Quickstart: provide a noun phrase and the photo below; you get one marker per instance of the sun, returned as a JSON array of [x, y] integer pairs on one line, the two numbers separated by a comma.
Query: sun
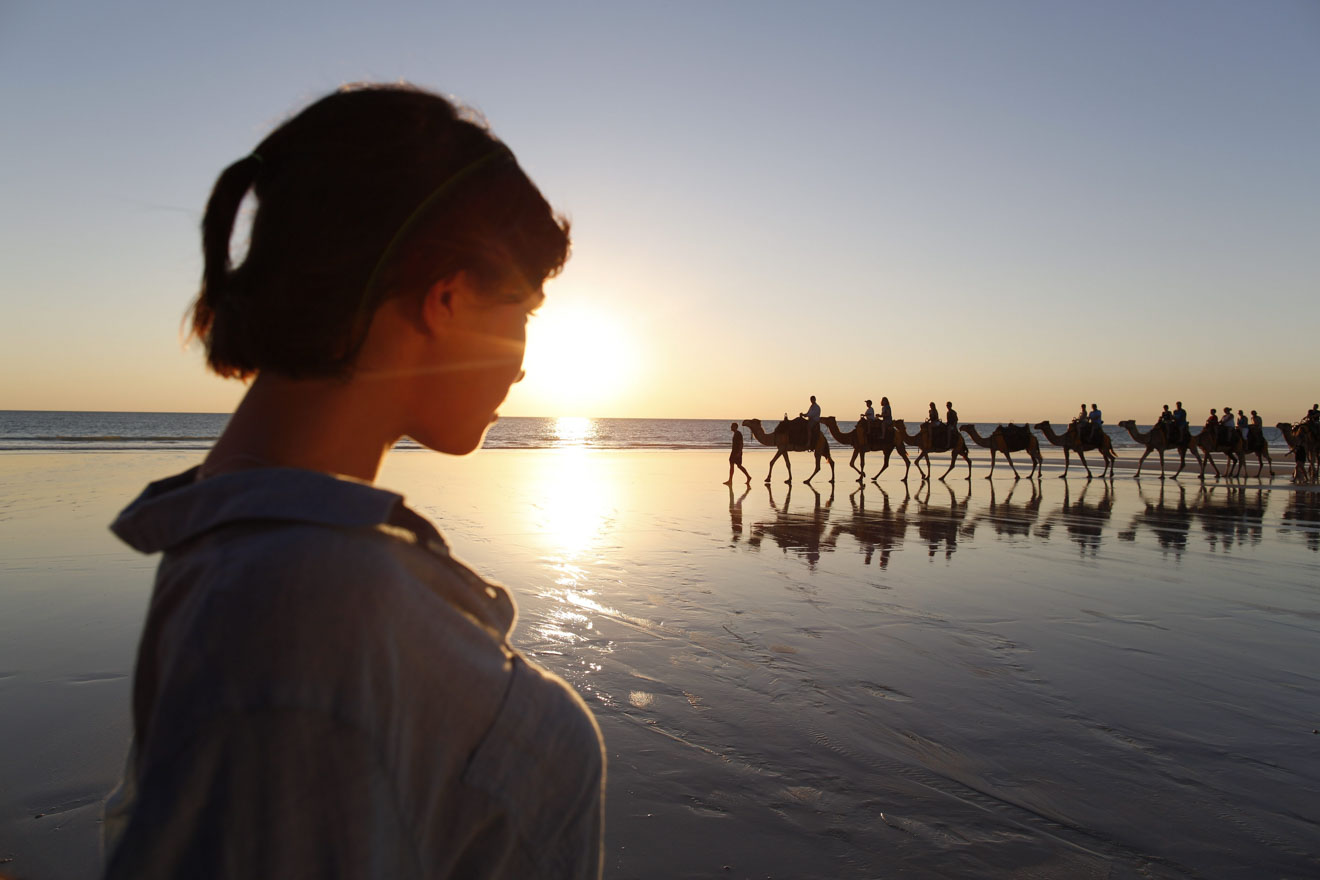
[[581, 360]]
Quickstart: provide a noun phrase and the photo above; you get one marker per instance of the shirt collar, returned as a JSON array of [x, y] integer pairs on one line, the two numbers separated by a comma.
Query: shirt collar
[[179, 508]]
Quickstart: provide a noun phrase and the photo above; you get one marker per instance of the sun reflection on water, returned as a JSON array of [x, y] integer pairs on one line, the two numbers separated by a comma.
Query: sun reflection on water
[[574, 430]]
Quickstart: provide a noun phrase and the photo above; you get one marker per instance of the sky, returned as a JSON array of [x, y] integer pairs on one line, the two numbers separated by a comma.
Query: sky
[[1017, 206]]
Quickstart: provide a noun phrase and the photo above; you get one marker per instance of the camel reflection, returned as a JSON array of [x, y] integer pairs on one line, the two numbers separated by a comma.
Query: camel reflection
[[1168, 518], [803, 533], [1011, 520], [1084, 520], [1231, 516], [941, 527], [875, 528], [1302, 516]]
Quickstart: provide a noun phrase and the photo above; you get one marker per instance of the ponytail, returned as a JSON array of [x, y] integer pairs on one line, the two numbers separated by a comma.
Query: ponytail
[[217, 231]]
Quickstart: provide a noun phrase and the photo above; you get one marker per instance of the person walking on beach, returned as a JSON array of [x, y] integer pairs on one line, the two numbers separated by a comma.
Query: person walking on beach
[[321, 688], [735, 455]]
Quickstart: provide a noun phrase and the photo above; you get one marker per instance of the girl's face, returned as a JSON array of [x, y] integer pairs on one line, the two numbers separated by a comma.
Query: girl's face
[[477, 356]]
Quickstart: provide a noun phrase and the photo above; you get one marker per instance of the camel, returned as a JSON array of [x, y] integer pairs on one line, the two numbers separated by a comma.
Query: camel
[[1011, 440], [863, 442], [1159, 440], [784, 444], [1292, 434], [952, 443], [1071, 443], [1235, 451], [1258, 446]]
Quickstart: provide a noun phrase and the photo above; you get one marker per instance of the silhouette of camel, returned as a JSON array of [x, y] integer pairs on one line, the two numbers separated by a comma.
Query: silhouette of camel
[[784, 444], [1071, 442], [1159, 440], [1259, 447], [1011, 440], [1294, 434], [1235, 451], [928, 441], [863, 441]]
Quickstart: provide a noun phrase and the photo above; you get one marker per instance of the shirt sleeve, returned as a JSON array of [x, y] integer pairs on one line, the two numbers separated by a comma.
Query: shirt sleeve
[[289, 794]]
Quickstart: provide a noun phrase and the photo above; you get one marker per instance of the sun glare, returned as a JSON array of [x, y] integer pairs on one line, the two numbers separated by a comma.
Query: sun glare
[[580, 361]]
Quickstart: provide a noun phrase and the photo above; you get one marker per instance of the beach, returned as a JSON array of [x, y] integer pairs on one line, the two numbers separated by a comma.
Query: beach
[[984, 678]]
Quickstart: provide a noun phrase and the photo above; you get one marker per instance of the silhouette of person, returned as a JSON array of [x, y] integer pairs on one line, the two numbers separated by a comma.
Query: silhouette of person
[[735, 455], [952, 418], [869, 415], [1180, 421], [1243, 423], [395, 720], [886, 417], [934, 417], [813, 421], [1097, 421]]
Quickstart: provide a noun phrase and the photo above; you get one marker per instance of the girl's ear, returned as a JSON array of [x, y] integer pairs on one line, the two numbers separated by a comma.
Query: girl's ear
[[439, 303]]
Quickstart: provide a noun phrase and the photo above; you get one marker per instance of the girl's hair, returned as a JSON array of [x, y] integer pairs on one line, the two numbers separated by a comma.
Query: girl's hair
[[371, 192]]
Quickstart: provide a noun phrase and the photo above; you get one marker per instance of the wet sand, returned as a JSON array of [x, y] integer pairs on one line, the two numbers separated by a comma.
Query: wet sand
[[1058, 678]]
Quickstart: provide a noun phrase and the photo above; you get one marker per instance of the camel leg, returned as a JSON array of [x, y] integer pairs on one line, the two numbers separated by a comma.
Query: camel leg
[[953, 459], [993, 452], [967, 458], [1082, 458], [1009, 459], [830, 459], [884, 467], [1142, 461], [907, 463], [770, 473], [816, 471], [1066, 462]]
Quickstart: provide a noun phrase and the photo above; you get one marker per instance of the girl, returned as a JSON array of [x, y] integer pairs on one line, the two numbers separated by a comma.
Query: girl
[[321, 688]]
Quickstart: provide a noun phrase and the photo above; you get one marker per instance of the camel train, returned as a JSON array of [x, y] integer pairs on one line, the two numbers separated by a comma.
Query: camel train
[[798, 435]]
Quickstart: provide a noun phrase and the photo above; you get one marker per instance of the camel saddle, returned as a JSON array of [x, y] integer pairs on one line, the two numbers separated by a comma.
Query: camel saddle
[[797, 431], [875, 432], [1015, 434]]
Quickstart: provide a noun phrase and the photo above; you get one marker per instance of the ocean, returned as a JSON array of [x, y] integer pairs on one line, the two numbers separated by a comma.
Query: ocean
[[58, 431]]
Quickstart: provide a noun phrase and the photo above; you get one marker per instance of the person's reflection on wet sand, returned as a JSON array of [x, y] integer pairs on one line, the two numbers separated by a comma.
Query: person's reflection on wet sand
[[735, 513], [1084, 521], [1302, 516], [874, 529], [800, 532], [1169, 519], [1011, 520], [940, 527]]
